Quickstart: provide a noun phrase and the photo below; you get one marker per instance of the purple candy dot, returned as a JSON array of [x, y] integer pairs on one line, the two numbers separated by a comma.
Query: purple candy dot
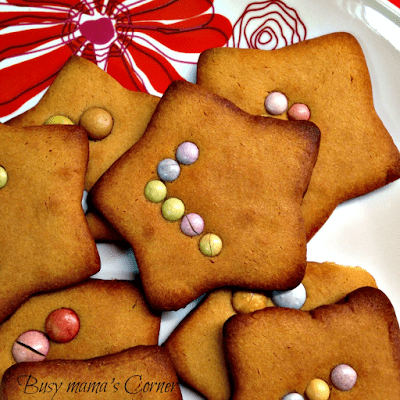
[[187, 153], [343, 377], [31, 346], [192, 224]]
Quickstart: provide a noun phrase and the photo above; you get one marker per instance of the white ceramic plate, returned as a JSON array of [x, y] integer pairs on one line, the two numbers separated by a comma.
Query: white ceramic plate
[[364, 231]]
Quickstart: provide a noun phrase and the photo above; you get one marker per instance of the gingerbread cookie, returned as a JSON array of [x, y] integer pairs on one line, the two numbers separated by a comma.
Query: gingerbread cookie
[[114, 117], [45, 241], [350, 349], [88, 320], [215, 202], [144, 372], [196, 345], [325, 80]]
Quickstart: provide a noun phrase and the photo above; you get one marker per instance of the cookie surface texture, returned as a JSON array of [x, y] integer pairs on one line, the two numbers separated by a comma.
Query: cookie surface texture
[[330, 76], [247, 185], [361, 331], [144, 372], [196, 345], [46, 243], [113, 317]]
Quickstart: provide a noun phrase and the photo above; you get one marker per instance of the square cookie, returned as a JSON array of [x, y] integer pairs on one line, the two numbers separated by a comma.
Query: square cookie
[[330, 76], [278, 351], [143, 372], [92, 319], [86, 95], [46, 243], [246, 186], [196, 345]]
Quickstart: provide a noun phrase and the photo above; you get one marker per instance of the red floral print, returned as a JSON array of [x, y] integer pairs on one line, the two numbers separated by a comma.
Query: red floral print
[[139, 42]]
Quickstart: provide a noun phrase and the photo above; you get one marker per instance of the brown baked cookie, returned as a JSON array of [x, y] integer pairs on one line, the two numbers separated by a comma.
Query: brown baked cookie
[[87, 95], [88, 320], [100, 229], [246, 186], [144, 372], [346, 350], [196, 345], [330, 76], [45, 240]]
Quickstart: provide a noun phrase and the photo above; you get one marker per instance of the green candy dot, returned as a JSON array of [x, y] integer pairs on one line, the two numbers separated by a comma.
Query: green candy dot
[[58, 120], [210, 245], [3, 177], [173, 209], [155, 191]]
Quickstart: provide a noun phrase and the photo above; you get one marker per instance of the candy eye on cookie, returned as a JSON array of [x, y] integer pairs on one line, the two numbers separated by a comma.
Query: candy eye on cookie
[[276, 103], [3, 177], [61, 325], [97, 122]]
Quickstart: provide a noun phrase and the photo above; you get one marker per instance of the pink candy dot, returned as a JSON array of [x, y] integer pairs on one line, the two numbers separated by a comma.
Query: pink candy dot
[[31, 346], [62, 325], [343, 377], [299, 111], [192, 224], [276, 103]]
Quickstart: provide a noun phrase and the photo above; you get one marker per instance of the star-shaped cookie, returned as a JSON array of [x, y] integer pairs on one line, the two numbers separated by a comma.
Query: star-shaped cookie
[[246, 185], [196, 346], [45, 240], [79, 87], [277, 351], [329, 75]]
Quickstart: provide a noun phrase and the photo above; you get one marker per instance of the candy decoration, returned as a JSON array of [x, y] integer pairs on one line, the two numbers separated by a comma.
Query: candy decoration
[[3, 177], [173, 209], [276, 103], [192, 224], [168, 170], [97, 122], [293, 396], [343, 377], [210, 245], [155, 191], [62, 325], [187, 153], [246, 302], [299, 111], [317, 389], [294, 298], [85, 206], [58, 120], [31, 346]]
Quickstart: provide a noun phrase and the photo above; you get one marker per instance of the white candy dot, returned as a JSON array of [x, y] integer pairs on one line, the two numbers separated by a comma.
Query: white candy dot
[[276, 103], [293, 396], [85, 206], [294, 298]]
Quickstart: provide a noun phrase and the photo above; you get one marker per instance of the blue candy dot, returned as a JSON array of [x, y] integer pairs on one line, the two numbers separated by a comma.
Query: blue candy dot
[[168, 170], [294, 298]]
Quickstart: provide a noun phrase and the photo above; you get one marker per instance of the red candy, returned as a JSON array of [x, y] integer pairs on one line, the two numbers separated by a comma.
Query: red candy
[[62, 325], [299, 111]]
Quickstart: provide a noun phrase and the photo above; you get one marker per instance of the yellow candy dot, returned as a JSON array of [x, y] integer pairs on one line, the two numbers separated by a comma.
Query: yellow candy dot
[[155, 191], [58, 120], [3, 177], [246, 302], [210, 245], [173, 209], [317, 389]]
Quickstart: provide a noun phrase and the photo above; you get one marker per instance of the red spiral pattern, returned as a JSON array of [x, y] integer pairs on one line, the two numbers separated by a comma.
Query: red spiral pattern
[[268, 25]]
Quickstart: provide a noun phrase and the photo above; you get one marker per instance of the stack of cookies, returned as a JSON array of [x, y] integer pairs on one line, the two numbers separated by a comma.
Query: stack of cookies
[[217, 187]]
